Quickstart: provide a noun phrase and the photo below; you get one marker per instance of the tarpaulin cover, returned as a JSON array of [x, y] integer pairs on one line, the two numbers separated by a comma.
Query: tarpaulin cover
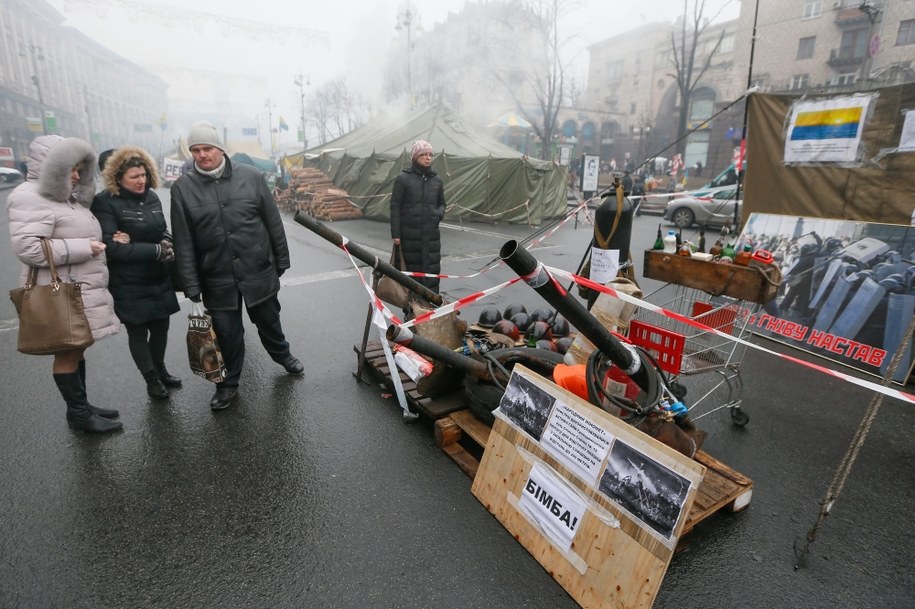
[[879, 190], [484, 179]]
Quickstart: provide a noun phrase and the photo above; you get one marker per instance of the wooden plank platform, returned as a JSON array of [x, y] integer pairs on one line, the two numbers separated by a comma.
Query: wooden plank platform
[[435, 408], [463, 437], [721, 488]]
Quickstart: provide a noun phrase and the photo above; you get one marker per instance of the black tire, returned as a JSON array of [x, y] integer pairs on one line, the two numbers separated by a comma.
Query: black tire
[[483, 397], [683, 217]]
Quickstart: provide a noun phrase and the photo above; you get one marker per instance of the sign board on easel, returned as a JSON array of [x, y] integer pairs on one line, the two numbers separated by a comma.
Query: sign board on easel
[[598, 503]]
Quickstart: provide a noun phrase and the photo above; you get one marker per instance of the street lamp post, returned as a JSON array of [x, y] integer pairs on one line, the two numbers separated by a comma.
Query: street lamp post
[[405, 20], [269, 105], [37, 55], [302, 82]]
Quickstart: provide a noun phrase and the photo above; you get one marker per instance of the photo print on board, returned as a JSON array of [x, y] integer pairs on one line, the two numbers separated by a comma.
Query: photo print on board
[[526, 405]]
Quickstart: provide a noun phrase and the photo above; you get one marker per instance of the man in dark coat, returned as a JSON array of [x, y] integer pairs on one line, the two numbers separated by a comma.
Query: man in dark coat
[[417, 207], [230, 246]]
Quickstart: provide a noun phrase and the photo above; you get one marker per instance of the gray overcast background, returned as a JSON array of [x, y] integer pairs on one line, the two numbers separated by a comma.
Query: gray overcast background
[[346, 38]]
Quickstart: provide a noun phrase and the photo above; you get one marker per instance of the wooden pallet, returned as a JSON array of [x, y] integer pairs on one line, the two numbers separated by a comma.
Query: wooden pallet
[[434, 408], [721, 488], [463, 437]]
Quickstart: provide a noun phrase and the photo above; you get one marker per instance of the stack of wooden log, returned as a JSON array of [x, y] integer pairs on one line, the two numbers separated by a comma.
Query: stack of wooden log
[[311, 191]]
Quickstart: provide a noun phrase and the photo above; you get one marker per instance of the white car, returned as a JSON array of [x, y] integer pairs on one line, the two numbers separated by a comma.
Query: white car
[[710, 210], [10, 176]]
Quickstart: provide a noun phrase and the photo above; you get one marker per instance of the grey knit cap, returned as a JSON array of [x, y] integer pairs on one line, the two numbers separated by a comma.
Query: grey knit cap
[[204, 133]]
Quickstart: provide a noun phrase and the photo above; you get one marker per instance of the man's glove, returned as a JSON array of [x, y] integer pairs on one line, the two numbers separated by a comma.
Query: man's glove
[[279, 272], [194, 298], [166, 252]]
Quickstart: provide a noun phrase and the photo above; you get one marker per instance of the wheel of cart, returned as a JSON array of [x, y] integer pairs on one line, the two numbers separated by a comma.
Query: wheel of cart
[[684, 350]]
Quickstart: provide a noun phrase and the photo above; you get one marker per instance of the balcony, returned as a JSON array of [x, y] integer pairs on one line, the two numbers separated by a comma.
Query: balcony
[[850, 17], [844, 58]]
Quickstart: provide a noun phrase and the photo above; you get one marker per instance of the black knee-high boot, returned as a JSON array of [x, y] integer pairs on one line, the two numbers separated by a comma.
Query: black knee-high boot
[[78, 414], [105, 413]]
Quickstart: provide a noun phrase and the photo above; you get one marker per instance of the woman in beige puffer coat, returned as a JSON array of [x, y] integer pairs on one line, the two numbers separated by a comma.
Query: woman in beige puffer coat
[[54, 203]]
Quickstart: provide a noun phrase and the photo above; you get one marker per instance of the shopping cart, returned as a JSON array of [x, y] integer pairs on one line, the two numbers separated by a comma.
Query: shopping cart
[[683, 350]]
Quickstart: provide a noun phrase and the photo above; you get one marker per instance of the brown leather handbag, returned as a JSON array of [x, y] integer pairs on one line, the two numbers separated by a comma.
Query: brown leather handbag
[[51, 317], [389, 290]]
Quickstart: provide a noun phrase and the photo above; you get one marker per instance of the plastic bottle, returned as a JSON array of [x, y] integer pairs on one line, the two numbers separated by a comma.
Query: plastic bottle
[[743, 256], [659, 242], [670, 243], [684, 249], [728, 251]]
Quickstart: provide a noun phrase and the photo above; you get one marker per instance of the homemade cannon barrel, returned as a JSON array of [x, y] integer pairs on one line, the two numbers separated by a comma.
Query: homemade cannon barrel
[[403, 336], [369, 258], [535, 275]]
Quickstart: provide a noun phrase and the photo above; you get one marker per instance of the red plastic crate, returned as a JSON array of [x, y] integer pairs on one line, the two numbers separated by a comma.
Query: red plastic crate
[[664, 345]]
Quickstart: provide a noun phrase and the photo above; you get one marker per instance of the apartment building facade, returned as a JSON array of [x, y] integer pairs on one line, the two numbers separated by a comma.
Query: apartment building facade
[[54, 79]]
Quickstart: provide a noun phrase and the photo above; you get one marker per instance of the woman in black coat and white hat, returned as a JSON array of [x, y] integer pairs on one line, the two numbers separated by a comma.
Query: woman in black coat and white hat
[[139, 249], [417, 207]]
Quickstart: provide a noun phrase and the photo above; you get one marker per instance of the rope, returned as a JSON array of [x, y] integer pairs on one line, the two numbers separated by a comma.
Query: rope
[[848, 460]]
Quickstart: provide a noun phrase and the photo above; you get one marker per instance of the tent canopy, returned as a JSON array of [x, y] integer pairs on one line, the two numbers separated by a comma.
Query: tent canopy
[[510, 120], [484, 179], [263, 165]]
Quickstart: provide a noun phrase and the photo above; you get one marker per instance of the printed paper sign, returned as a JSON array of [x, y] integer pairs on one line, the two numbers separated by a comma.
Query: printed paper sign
[[826, 131], [605, 264], [907, 137], [577, 442], [553, 505]]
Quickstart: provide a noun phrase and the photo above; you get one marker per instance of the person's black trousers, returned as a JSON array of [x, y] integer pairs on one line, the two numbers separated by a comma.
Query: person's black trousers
[[230, 333]]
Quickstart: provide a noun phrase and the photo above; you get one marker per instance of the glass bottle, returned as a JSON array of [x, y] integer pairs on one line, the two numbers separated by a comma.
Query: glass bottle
[[743, 256], [701, 241], [716, 249], [728, 251], [659, 242]]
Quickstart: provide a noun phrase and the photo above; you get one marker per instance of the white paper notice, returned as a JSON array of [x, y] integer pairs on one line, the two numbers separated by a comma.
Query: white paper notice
[[605, 264], [553, 505], [577, 442], [907, 137]]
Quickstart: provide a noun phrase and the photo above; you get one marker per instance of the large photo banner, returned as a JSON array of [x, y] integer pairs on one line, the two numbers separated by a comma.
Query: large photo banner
[[847, 288]]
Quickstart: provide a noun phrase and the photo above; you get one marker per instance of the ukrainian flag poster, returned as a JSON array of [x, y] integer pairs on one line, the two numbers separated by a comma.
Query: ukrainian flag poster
[[827, 131]]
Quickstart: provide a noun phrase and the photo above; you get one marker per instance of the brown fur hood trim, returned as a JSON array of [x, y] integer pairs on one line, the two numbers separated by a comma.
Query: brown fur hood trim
[[121, 156]]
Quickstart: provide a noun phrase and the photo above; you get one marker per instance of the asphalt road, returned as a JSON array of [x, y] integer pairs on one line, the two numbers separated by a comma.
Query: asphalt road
[[313, 493]]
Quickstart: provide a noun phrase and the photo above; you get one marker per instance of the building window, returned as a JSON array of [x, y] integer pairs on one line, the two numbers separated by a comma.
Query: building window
[[845, 78], [632, 108], [812, 8], [805, 47], [615, 71], [906, 33], [727, 44], [799, 81], [854, 44]]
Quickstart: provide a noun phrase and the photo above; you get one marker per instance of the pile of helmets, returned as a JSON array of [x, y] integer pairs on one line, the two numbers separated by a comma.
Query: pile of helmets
[[543, 329]]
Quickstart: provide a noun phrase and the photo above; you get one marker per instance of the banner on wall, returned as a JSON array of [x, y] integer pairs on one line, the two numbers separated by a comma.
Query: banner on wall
[[847, 288]]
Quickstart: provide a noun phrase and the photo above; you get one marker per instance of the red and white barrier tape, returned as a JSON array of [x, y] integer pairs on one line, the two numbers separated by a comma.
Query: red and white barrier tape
[[895, 393], [459, 304]]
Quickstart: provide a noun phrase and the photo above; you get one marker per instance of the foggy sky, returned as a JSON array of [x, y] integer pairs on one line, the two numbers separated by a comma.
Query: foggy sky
[[351, 37]]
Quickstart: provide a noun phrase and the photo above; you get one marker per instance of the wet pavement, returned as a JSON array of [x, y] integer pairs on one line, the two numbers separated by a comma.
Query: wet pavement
[[312, 492]]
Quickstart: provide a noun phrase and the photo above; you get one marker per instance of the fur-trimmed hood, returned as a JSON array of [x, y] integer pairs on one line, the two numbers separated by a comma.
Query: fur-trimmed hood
[[51, 158], [116, 161]]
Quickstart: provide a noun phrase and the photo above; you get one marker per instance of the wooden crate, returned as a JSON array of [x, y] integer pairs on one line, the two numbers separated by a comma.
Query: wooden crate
[[462, 436], [753, 284]]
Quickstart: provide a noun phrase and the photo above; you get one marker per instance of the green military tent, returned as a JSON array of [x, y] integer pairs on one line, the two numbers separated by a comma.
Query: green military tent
[[484, 179]]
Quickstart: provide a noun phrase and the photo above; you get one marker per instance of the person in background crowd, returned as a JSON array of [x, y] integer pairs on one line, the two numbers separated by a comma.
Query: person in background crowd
[[54, 203], [417, 208], [139, 251], [230, 249], [698, 169]]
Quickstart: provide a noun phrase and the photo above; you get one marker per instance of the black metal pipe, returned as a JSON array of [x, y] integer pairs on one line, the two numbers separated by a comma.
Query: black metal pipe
[[536, 276], [368, 257], [404, 336]]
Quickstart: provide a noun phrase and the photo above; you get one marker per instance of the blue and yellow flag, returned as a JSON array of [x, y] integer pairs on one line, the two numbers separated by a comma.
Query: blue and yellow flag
[[838, 123], [283, 125]]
